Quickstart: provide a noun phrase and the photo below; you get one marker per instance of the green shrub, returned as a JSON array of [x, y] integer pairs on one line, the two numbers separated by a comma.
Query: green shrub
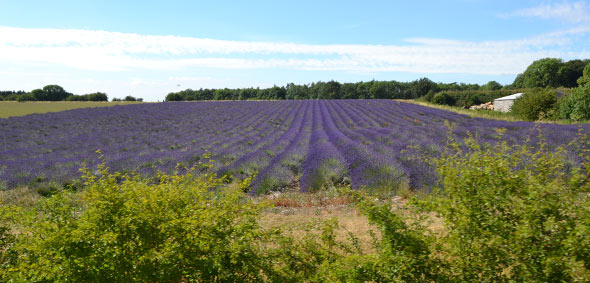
[[25, 97], [576, 106], [536, 104], [443, 98], [124, 229], [513, 213], [405, 251]]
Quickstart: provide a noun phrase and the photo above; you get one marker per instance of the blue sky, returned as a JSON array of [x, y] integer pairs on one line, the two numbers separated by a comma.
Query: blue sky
[[150, 48]]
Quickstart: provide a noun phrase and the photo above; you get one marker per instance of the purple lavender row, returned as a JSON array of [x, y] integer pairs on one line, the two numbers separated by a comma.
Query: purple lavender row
[[149, 137], [251, 160], [323, 163], [53, 146], [389, 142], [283, 169], [368, 168], [248, 138]]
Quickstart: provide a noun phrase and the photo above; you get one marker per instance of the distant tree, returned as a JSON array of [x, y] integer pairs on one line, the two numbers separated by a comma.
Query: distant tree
[[348, 91], [331, 90], [363, 89], [570, 72], [379, 90], [492, 85], [584, 80], [277, 92], [518, 82], [541, 73], [39, 95], [247, 93], [25, 97], [174, 96], [294, 91], [97, 96], [131, 98], [55, 93], [223, 94], [576, 106], [316, 90], [422, 86]]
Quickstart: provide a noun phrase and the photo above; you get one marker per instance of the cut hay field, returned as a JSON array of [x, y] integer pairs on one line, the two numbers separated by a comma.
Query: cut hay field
[[13, 108], [306, 145]]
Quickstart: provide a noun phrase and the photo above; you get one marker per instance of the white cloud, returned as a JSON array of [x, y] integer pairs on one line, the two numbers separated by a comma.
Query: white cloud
[[115, 52], [570, 12]]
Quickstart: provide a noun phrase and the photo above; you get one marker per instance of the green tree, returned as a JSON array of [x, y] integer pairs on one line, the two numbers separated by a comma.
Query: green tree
[[584, 80], [174, 96], [277, 92], [542, 73], [55, 93], [348, 91], [294, 91], [422, 86], [223, 94], [492, 85], [363, 89], [97, 96], [131, 98], [25, 97], [39, 94], [378, 90], [576, 106], [570, 72], [331, 90], [518, 82]]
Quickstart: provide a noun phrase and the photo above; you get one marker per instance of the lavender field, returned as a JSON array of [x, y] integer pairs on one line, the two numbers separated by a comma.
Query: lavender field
[[287, 144]]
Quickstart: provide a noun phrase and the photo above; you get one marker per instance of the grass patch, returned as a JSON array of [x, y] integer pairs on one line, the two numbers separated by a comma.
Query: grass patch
[[12, 109]]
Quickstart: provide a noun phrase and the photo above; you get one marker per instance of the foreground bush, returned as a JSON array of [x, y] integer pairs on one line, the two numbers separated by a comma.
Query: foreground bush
[[124, 229], [513, 213]]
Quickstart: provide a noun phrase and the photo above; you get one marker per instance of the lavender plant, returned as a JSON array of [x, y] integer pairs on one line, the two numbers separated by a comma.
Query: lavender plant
[[304, 144]]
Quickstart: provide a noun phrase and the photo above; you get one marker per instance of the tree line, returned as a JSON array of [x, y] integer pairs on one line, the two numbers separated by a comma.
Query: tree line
[[51, 93], [57, 93], [547, 72], [551, 72], [329, 90]]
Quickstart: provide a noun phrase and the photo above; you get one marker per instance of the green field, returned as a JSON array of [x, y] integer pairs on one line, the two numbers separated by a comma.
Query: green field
[[11, 108]]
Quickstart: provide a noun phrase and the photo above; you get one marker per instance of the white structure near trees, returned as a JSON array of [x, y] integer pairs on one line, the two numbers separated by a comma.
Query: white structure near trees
[[504, 104]]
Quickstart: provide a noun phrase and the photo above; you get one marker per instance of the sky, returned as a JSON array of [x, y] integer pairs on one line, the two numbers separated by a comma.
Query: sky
[[151, 48]]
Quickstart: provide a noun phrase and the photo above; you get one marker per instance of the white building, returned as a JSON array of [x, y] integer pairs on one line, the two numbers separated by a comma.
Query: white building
[[505, 103]]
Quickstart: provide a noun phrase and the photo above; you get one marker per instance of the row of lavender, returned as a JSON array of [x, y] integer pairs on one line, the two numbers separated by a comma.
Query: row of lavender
[[305, 144]]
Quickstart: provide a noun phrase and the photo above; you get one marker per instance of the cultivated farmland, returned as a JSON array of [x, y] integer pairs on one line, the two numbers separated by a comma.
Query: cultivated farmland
[[284, 144]]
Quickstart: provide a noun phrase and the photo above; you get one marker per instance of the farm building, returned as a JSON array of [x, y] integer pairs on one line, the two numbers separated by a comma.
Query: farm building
[[505, 103]]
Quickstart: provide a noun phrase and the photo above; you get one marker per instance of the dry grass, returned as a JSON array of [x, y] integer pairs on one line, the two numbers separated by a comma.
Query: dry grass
[[12, 108], [298, 219], [487, 114], [295, 212], [22, 196]]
